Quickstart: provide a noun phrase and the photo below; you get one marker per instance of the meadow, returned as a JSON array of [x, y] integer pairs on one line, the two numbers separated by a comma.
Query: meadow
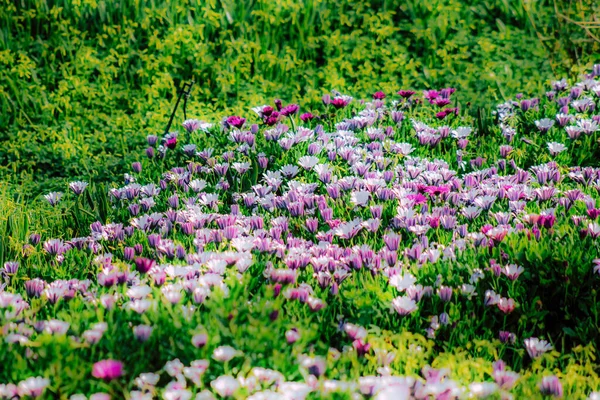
[[366, 200]]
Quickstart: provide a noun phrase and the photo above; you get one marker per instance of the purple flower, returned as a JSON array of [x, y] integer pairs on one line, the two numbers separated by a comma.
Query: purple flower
[[406, 93], [107, 370], [379, 95], [191, 125], [53, 198], [152, 139], [143, 264], [551, 386], [199, 340], [35, 287], [78, 187], [11, 267], [142, 332]]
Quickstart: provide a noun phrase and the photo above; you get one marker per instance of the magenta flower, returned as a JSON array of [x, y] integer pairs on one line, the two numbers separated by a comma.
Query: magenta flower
[[341, 101], [379, 95], [290, 109], [235, 121], [307, 117], [171, 142], [107, 369]]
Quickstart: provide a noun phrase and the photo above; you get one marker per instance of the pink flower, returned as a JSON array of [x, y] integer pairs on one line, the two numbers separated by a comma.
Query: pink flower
[[107, 369]]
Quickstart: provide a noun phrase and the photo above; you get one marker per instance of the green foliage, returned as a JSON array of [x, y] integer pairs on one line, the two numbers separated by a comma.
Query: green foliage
[[83, 82]]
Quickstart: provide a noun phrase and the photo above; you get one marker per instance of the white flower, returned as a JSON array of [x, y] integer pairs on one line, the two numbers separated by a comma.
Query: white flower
[[225, 385], [462, 132], [33, 387], [404, 305], [556, 148], [360, 198], [482, 390], [544, 124], [225, 353], [536, 347], [308, 162], [402, 282]]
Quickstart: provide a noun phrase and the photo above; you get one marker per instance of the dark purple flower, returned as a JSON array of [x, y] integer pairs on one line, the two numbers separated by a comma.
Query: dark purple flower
[[406, 93], [143, 264], [152, 139], [379, 95], [34, 239]]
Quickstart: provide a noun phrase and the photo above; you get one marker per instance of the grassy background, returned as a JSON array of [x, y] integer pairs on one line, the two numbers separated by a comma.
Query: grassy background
[[82, 82]]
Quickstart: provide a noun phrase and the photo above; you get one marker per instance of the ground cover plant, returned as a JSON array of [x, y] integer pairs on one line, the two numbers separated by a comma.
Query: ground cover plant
[[83, 82], [392, 247]]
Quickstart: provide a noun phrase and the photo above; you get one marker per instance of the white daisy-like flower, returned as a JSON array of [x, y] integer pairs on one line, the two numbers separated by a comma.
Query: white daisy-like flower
[[556, 148]]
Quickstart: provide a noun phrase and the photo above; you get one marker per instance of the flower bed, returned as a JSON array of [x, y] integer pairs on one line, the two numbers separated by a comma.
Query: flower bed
[[390, 248]]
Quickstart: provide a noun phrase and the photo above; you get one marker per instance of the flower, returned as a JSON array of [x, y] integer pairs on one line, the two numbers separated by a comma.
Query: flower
[[142, 332], [556, 148], [404, 305], [11, 267], [314, 365], [143, 264], [53, 198], [107, 369], [289, 110], [340, 101], [78, 187], [225, 353], [225, 385], [199, 340], [551, 386], [406, 93], [235, 121], [33, 387], [536, 347], [544, 124]]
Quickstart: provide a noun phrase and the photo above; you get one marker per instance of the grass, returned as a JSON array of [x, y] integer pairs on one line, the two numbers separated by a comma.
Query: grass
[[84, 82]]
